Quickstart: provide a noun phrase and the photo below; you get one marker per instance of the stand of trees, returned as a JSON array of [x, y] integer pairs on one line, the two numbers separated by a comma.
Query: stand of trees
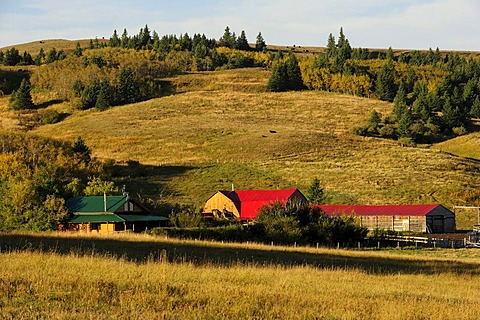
[[37, 175]]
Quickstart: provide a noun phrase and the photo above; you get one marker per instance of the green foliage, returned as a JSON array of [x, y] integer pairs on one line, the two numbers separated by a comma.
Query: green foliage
[[386, 88], [22, 98], [185, 216], [260, 43], [286, 74], [82, 150], [12, 57], [97, 187], [307, 224], [35, 174], [315, 192]]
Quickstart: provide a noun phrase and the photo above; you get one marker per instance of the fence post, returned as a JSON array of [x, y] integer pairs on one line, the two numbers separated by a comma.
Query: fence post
[[378, 245], [338, 245], [317, 245]]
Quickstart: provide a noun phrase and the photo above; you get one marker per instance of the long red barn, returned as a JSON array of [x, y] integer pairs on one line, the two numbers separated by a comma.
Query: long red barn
[[433, 218]]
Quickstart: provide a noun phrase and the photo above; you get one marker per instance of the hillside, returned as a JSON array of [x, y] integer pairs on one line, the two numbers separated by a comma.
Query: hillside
[[223, 127]]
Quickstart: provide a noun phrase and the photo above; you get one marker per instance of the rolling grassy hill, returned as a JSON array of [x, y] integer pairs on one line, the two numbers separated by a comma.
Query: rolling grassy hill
[[223, 127]]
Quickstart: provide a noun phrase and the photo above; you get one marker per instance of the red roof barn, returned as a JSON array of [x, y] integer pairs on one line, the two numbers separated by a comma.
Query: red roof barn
[[432, 218], [246, 204]]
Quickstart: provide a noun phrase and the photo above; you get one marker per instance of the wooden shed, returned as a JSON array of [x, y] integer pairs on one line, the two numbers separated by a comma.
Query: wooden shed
[[246, 204], [103, 214], [427, 218]]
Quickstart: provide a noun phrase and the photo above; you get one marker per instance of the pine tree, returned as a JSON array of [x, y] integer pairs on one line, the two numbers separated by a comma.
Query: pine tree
[[451, 115], [125, 39], [242, 42], [82, 150], [385, 85], [399, 103], [331, 46], [315, 192], [40, 58], [405, 123], [78, 49], [389, 53], [22, 98], [278, 80], [52, 55], [114, 40], [228, 39], [27, 59], [475, 110], [2, 57], [144, 36], [103, 98], [260, 43], [128, 89], [293, 73], [12, 57]]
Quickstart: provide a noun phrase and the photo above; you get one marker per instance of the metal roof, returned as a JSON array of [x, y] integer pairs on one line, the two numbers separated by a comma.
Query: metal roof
[[380, 210], [249, 202], [143, 217], [99, 218], [96, 218], [95, 204]]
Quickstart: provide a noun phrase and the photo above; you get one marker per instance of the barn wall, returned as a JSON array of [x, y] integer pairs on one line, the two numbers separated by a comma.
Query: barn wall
[[220, 202], [397, 223], [297, 198], [441, 220]]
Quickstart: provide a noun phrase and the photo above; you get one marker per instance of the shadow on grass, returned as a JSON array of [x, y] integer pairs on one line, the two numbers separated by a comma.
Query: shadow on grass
[[211, 254], [147, 181]]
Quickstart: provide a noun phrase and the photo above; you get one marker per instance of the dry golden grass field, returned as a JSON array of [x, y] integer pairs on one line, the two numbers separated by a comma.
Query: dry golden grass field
[[62, 276], [223, 127]]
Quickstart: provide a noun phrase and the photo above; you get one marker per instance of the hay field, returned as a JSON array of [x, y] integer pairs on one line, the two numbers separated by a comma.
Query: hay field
[[80, 277]]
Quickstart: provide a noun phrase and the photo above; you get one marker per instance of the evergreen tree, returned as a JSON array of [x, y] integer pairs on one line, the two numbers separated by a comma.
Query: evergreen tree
[[12, 57], [52, 55], [40, 58], [128, 88], [2, 57], [405, 123], [451, 115], [475, 110], [90, 45], [144, 37], [27, 59], [293, 73], [260, 44], [82, 150], [386, 88], [78, 49], [185, 42], [331, 47], [374, 122], [125, 39], [315, 192], [114, 40], [22, 98], [228, 39], [389, 53], [103, 98], [242, 42], [61, 55], [399, 103], [278, 80]]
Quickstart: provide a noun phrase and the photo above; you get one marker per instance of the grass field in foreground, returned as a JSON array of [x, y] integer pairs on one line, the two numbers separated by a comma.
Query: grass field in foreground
[[99, 277]]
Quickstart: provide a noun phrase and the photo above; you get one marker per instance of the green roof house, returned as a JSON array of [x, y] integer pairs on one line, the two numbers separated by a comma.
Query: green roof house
[[105, 214]]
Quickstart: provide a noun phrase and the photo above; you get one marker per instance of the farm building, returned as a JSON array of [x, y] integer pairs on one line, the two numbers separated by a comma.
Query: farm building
[[246, 204], [109, 214], [430, 218]]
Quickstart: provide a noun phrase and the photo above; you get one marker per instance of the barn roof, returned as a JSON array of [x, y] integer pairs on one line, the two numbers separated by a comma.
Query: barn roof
[[249, 202], [380, 210]]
